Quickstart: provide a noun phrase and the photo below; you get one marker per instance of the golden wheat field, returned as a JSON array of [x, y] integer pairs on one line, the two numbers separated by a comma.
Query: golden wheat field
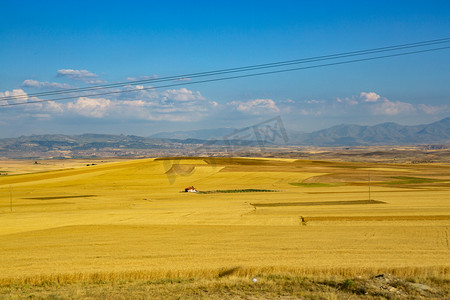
[[132, 219]]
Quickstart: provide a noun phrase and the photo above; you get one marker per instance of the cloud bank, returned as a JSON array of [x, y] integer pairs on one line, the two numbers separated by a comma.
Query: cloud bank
[[256, 107], [80, 75], [45, 84], [14, 96], [168, 105]]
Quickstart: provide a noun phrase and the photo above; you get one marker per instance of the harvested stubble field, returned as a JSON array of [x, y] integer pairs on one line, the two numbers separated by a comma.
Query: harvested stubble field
[[303, 228]]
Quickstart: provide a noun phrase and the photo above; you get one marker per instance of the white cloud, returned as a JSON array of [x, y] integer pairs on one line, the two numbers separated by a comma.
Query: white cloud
[[183, 79], [14, 96], [80, 75], [182, 94], [169, 105], [45, 84], [90, 107], [42, 116], [392, 108], [383, 106], [256, 107], [369, 97], [145, 110], [311, 112], [434, 110], [314, 101], [54, 107], [375, 104], [347, 100], [142, 78]]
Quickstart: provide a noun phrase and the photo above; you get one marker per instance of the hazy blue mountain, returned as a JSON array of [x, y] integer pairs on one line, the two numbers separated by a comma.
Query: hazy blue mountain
[[341, 135], [56, 145], [381, 134]]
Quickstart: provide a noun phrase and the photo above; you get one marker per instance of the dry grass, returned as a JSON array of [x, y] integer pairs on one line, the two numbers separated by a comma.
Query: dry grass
[[129, 221], [274, 286], [419, 274]]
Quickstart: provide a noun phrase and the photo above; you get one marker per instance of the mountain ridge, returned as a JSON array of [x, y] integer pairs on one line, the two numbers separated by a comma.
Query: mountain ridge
[[98, 145], [388, 133]]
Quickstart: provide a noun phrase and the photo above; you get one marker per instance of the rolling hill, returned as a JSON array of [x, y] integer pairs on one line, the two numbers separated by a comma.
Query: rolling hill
[[167, 144]]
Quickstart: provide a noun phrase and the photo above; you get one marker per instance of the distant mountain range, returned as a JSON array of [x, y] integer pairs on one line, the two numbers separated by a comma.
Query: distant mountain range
[[168, 143], [344, 135], [381, 134]]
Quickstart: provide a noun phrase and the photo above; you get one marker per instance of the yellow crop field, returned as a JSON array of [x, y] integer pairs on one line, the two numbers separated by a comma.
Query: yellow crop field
[[133, 220]]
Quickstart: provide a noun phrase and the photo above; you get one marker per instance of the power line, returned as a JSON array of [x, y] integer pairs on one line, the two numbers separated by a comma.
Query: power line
[[229, 77], [232, 70], [236, 69], [233, 77]]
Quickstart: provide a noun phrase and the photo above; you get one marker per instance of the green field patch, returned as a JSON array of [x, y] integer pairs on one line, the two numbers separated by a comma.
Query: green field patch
[[60, 197], [351, 202], [313, 184], [411, 180], [236, 191]]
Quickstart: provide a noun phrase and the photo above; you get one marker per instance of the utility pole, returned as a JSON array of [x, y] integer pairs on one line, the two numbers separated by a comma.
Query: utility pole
[[10, 197], [369, 186]]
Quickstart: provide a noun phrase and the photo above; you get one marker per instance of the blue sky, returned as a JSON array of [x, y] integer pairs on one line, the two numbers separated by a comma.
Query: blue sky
[[48, 45]]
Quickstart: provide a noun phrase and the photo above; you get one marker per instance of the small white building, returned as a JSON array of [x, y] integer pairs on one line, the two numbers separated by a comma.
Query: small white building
[[190, 189]]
